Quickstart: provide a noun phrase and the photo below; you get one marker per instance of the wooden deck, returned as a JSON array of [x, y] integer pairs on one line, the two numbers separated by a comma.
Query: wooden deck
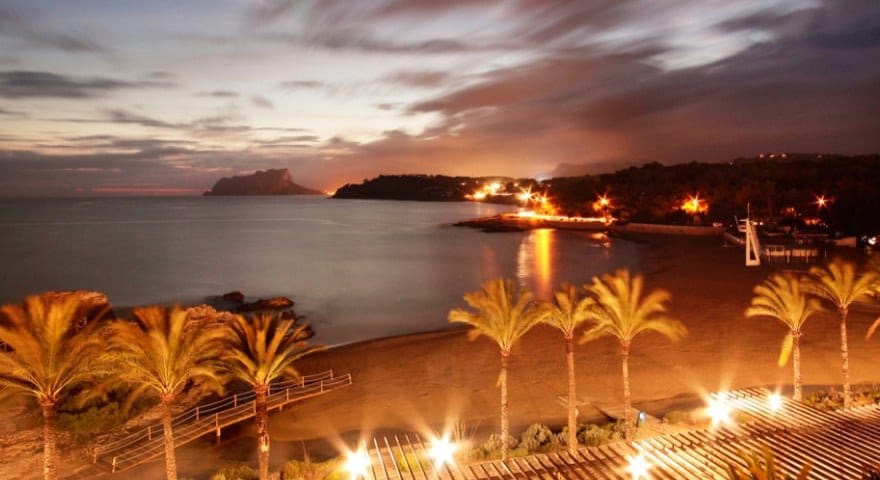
[[147, 443], [841, 445]]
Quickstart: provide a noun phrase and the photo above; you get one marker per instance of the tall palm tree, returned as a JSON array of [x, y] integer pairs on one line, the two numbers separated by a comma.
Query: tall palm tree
[[781, 297], [159, 354], [504, 312], [567, 312], [840, 284], [46, 356], [262, 349], [622, 312]]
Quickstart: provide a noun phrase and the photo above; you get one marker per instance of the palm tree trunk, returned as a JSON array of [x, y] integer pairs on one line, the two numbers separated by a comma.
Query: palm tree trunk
[[505, 426], [796, 364], [844, 358], [50, 464], [168, 436], [262, 415], [572, 397], [627, 397]]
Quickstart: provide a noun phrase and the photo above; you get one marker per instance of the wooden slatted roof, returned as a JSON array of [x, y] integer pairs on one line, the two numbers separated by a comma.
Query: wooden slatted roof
[[840, 445]]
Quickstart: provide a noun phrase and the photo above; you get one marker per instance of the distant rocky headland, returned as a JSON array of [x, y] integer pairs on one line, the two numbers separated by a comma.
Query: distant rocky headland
[[785, 186], [262, 182]]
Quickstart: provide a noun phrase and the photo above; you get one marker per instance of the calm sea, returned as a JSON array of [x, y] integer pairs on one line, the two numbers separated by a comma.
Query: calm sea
[[357, 269]]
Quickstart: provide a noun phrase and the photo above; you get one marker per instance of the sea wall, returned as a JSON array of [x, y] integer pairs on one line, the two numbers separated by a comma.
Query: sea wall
[[666, 229]]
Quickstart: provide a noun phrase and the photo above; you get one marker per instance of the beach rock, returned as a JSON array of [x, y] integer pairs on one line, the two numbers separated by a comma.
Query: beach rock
[[261, 182], [235, 296], [274, 303]]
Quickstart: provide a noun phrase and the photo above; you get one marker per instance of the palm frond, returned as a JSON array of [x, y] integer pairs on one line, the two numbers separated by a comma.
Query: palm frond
[[500, 310]]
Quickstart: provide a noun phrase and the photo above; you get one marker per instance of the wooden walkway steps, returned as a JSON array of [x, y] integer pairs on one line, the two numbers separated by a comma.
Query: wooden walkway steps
[[147, 443], [841, 445]]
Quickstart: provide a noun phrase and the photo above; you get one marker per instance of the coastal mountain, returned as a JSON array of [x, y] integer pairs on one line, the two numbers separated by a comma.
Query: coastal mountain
[[261, 182]]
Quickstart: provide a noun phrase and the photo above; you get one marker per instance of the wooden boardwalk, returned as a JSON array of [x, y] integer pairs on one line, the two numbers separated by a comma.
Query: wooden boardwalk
[[841, 445], [147, 443]]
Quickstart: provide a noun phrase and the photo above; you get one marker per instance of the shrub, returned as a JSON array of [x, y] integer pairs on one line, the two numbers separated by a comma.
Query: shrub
[[491, 448], [237, 471], [300, 470], [593, 435], [538, 438]]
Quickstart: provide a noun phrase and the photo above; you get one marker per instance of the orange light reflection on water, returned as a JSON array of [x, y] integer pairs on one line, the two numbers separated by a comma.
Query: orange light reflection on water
[[535, 261]]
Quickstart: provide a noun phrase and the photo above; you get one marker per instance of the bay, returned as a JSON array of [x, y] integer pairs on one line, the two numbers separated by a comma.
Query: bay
[[357, 269]]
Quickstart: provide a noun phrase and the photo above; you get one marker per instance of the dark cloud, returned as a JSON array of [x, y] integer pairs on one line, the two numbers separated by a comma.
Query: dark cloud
[[218, 94], [22, 26], [418, 79], [262, 102], [27, 83], [302, 84], [124, 116]]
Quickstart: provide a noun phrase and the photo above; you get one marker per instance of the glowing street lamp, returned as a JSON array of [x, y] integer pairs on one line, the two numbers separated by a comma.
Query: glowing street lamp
[[357, 464], [638, 467], [719, 410], [524, 196], [493, 188], [774, 401], [441, 452], [694, 205], [822, 202]]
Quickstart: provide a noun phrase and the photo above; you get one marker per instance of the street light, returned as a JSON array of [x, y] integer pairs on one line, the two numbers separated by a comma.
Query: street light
[[774, 401], [357, 463], [638, 467], [719, 410], [441, 452]]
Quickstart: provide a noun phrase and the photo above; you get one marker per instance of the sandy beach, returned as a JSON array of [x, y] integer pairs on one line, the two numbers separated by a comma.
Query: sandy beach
[[424, 381]]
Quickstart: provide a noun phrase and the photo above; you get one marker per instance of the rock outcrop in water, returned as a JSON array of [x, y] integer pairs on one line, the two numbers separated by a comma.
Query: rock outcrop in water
[[262, 182]]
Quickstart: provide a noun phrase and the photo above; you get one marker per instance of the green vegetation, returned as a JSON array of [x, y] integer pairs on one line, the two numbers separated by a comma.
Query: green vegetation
[[159, 354], [762, 466], [308, 470], [567, 312], [237, 471], [841, 284], [777, 188], [620, 311], [782, 297], [262, 349], [834, 399], [46, 356], [504, 312]]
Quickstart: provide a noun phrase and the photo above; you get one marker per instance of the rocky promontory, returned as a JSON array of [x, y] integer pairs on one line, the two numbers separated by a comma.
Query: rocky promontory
[[261, 182]]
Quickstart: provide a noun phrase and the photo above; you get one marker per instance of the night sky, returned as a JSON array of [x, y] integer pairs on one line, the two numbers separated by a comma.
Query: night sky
[[165, 97]]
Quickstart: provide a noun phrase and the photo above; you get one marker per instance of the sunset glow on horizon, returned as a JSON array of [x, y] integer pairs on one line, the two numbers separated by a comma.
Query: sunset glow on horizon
[[111, 97]]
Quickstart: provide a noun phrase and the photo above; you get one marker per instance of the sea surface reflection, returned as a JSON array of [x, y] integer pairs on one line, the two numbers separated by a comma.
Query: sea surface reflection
[[356, 269]]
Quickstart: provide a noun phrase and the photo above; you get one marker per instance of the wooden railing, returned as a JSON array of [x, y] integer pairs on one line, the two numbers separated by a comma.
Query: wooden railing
[[148, 443]]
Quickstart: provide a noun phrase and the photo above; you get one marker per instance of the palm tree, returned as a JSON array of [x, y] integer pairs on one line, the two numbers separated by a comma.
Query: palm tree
[[159, 354], [840, 284], [262, 349], [46, 356], [763, 466], [566, 313], [504, 312], [781, 297], [621, 311]]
